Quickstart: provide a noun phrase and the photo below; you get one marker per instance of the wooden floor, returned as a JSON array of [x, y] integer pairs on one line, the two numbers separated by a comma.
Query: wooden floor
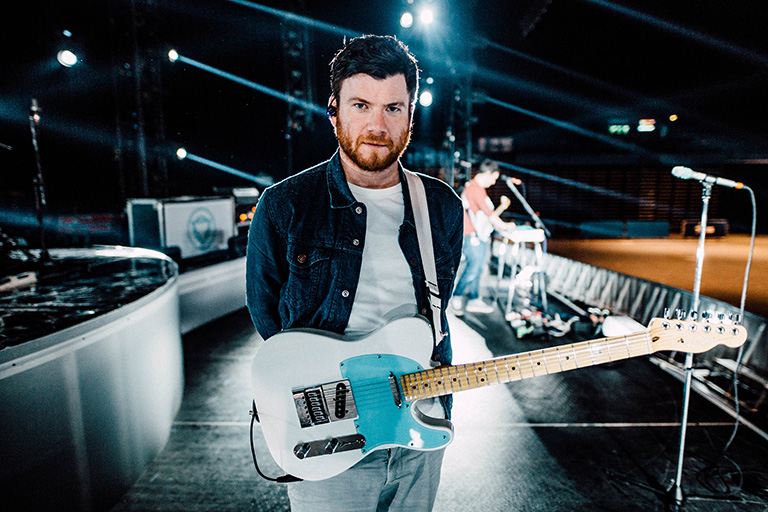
[[598, 439]]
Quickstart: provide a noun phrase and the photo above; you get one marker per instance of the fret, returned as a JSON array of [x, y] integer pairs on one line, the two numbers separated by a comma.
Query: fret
[[550, 355], [636, 346], [515, 370], [619, 349], [482, 379], [568, 361], [496, 370], [525, 372], [575, 357], [466, 376], [598, 352], [455, 378]]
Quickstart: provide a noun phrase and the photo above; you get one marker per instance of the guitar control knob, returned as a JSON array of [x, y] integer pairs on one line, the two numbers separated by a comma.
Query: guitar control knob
[[301, 450], [331, 445]]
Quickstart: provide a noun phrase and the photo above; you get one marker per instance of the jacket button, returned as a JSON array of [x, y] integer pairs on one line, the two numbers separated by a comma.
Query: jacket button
[[359, 210], [345, 293], [301, 258], [355, 242], [414, 262]]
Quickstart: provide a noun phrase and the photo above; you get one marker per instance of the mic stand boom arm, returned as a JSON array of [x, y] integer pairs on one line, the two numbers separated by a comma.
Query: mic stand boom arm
[[536, 220]]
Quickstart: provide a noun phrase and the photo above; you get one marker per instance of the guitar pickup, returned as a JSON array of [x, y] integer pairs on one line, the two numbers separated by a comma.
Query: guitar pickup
[[326, 403], [329, 446]]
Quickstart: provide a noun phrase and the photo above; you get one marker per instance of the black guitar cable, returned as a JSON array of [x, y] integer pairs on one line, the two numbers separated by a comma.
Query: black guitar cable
[[280, 479]]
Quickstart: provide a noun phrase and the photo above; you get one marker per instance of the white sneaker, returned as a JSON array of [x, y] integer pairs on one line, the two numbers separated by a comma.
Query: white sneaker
[[478, 306]]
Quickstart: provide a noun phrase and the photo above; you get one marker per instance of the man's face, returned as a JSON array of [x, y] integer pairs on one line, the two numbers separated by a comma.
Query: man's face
[[487, 179], [373, 120]]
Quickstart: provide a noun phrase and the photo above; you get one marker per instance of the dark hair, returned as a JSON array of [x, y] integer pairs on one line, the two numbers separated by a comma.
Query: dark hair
[[378, 56]]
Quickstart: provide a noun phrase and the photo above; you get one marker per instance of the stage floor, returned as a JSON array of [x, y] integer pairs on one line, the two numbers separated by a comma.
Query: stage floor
[[672, 261], [603, 438]]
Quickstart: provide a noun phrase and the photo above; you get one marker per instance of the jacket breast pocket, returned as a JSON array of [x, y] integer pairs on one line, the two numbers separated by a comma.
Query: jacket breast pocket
[[308, 269]]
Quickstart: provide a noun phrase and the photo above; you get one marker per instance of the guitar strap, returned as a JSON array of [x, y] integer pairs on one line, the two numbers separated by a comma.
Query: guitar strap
[[424, 237]]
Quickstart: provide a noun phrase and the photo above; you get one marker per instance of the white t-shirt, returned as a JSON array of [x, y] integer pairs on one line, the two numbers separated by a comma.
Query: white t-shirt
[[385, 289], [386, 284]]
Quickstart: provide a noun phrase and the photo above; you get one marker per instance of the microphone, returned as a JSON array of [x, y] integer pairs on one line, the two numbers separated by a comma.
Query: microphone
[[686, 173], [510, 181]]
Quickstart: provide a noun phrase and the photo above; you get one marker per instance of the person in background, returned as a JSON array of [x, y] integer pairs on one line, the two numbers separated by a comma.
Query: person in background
[[480, 220]]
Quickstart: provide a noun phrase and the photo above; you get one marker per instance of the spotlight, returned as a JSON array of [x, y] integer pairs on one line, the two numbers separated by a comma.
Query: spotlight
[[406, 20], [173, 55], [66, 58], [673, 118], [425, 98], [181, 153], [426, 16]]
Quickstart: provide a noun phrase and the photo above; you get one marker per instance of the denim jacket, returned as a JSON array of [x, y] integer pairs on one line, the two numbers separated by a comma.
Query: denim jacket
[[305, 248]]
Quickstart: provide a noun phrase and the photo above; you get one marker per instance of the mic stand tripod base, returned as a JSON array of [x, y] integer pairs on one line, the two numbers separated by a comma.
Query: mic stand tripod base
[[674, 498]]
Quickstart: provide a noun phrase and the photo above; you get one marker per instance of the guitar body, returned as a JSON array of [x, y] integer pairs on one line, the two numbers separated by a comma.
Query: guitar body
[[325, 401]]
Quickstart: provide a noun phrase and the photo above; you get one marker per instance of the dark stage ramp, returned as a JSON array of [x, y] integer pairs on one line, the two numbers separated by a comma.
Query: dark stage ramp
[[598, 439]]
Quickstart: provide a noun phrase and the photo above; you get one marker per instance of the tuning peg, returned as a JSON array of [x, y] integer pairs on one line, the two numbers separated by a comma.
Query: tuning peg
[[693, 316], [666, 314], [680, 314], [735, 318], [721, 317], [706, 315]]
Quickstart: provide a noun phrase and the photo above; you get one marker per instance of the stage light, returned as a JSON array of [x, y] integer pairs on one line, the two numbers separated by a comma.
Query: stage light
[[673, 118], [425, 98], [426, 16], [646, 125], [181, 153], [173, 55], [66, 58], [430, 80], [406, 20], [66, 33]]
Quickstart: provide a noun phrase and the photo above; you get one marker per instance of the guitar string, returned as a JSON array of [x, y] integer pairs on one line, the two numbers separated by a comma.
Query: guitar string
[[371, 390], [591, 352]]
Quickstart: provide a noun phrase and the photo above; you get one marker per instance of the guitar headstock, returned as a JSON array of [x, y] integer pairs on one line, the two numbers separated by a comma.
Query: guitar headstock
[[694, 336]]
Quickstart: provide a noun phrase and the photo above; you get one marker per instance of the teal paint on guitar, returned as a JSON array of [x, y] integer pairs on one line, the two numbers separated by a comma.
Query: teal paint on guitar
[[380, 420]]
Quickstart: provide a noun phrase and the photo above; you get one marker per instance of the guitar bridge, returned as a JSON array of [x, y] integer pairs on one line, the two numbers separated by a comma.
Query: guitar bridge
[[326, 403]]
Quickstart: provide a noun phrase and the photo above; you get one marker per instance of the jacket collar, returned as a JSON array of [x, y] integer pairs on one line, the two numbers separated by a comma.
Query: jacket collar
[[341, 195]]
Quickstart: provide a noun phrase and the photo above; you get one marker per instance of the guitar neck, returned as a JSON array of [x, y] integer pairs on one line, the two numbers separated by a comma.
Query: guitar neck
[[444, 380]]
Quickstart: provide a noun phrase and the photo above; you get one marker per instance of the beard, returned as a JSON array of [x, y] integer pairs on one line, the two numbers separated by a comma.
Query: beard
[[373, 162]]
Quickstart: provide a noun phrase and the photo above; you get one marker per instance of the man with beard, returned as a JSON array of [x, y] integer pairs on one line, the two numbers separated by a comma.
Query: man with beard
[[335, 248]]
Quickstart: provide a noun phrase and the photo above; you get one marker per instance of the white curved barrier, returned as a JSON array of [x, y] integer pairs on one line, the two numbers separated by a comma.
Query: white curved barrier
[[85, 409]]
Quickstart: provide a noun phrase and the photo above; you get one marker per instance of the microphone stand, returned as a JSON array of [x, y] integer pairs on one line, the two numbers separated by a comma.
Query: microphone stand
[[34, 118], [536, 220], [675, 492]]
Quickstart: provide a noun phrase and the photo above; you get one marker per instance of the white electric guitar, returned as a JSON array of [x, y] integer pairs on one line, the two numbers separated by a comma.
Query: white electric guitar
[[325, 401]]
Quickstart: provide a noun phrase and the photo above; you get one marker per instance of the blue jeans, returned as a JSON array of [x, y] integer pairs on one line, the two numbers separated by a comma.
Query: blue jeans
[[394, 480], [475, 252]]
